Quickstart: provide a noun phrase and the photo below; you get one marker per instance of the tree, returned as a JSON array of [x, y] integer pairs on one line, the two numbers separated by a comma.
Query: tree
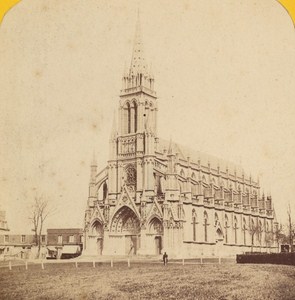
[[290, 227], [39, 212], [269, 239], [279, 235], [254, 229]]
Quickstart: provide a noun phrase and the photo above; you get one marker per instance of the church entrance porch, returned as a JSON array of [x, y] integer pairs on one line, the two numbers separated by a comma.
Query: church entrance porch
[[125, 232], [153, 237], [94, 245]]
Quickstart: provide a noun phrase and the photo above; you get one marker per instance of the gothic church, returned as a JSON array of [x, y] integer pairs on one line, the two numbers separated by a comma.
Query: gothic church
[[155, 195]]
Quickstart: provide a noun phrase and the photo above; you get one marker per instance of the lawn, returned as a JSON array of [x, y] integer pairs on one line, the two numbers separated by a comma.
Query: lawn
[[148, 281]]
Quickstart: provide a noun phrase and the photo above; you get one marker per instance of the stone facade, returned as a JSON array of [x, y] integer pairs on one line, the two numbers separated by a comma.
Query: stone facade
[[156, 195]]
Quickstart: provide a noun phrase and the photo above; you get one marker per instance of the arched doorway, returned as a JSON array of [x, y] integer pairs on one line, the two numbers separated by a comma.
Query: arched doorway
[[127, 225], [96, 237], [156, 230]]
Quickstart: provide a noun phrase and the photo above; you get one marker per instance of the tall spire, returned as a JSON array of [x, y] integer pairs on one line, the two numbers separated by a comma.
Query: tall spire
[[138, 63], [138, 75]]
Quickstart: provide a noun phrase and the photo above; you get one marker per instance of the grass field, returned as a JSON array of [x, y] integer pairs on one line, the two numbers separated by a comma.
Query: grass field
[[148, 281]]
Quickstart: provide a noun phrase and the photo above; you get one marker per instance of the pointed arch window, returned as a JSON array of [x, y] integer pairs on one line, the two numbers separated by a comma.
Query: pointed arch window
[[244, 231], [194, 189], [216, 219], [235, 230], [135, 117], [259, 232], [194, 222], [105, 191], [206, 226], [128, 118], [225, 229]]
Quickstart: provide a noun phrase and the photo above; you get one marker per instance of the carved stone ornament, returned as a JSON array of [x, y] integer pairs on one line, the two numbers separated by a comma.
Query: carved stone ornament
[[128, 146], [131, 188], [130, 171]]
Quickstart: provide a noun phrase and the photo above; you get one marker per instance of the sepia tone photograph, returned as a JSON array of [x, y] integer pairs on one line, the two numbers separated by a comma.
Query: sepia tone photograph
[[147, 149]]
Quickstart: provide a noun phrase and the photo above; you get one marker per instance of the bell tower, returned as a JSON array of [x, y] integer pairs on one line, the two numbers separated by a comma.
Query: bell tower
[[133, 144], [137, 97]]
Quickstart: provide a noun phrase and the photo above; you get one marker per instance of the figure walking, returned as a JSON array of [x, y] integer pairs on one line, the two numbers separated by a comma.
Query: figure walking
[[165, 258]]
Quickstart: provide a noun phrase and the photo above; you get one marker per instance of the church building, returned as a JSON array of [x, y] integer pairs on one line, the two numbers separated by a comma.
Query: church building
[[155, 195]]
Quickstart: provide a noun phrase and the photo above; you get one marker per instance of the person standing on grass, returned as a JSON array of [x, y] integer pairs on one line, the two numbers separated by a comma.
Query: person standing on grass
[[165, 258]]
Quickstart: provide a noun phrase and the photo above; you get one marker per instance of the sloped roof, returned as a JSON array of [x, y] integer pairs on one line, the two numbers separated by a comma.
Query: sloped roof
[[194, 155]]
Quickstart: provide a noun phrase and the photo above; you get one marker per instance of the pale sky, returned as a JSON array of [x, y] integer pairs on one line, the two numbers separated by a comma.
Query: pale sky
[[224, 74]]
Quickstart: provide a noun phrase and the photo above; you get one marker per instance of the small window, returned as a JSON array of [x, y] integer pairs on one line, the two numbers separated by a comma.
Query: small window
[[71, 239], [6, 238], [23, 238], [59, 239]]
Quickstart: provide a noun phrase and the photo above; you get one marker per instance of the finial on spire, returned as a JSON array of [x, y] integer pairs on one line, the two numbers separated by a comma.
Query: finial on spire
[[138, 64], [138, 74]]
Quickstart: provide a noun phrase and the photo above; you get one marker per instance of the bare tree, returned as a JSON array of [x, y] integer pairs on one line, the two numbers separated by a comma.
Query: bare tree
[[254, 230], [269, 239], [279, 235], [291, 227], [39, 212]]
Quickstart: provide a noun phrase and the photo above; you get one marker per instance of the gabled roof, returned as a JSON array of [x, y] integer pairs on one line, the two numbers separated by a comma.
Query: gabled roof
[[195, 156]]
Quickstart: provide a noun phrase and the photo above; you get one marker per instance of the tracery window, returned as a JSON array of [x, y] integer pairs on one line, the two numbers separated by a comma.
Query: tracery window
[[194, 222], [206, 226], [235, 230], [244, 230], [130, 174], [226, 229]]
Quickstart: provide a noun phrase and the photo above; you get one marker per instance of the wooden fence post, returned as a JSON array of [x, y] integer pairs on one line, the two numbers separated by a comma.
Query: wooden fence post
[[112, 263], [9, 265]]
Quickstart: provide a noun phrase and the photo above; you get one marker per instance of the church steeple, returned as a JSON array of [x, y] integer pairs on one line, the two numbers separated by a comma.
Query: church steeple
[[138, 63], [138, 74], [138, 100]]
